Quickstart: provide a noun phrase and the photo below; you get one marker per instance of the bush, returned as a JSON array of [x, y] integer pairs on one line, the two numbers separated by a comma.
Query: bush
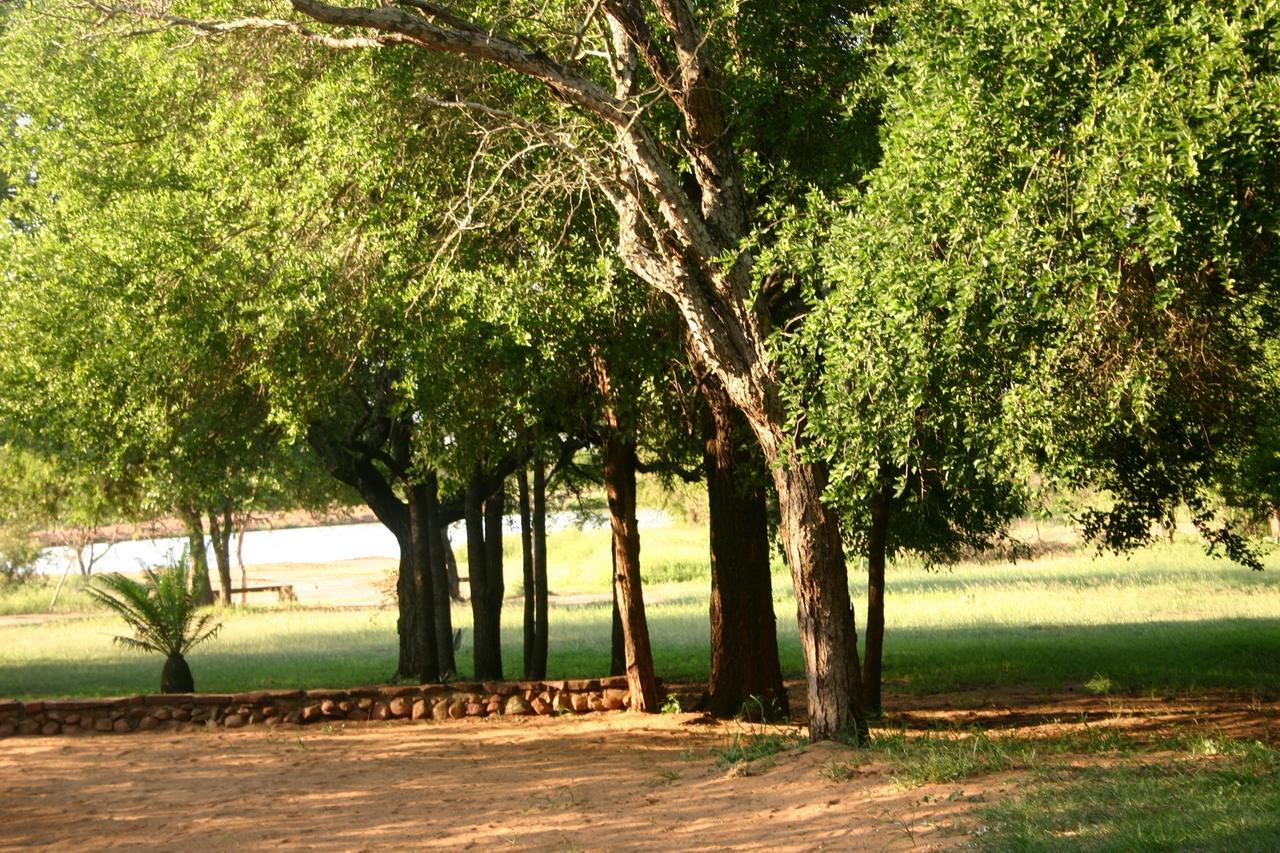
[[18, 555]]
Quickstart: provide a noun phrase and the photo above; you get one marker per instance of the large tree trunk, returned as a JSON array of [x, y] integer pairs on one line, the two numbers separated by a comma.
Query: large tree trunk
[[744, 636], [421, 534], [811, 537], [197, 556], [440, 598], [526, 568], [220, 526], [487, 659], [877, 541], [540, 602], [620, 486]]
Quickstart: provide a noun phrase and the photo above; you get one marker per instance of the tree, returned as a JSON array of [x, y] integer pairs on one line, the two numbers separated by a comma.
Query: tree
[[163, 613], [635, 95], [1065, 263]]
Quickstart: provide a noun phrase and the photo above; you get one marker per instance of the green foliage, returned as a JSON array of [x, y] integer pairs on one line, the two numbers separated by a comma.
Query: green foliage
[[18, 553], [161, 610], [1064, 264]]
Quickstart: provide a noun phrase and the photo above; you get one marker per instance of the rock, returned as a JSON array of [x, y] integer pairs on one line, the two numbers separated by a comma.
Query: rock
[[162, 714], [210, 723], [379, 711], [516, 706], [364, 704], [440, 710], [540, 705], [475, 709], [311, 712], [458, 710], [148, 723], [102, 725], [615, 699], [494, 706], [256, 716], [562, 703], [199, 716], [86, 723], [345, 707], [234, 721], [121, 726], [295, 716], [269, 712], [328, 707], [71, 720], [399, 707], [419, 710], [579, 703], [181, 714], [52, 727], [8, 730], [272, 722]]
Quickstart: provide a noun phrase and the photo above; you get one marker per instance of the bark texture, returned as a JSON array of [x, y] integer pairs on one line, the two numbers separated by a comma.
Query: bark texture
[[828, 638], [538, 669], [877, 540], [745, 670], [197, 556], [620, 487]]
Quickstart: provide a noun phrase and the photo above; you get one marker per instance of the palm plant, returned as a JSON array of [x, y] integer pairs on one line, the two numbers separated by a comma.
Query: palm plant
[[163, 614]]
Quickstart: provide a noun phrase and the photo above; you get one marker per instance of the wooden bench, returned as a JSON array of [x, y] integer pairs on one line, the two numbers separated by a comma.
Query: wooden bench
[[283, 591]]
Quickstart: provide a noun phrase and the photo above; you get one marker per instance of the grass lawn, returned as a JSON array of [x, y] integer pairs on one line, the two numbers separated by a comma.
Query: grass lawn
[[1166, 619]]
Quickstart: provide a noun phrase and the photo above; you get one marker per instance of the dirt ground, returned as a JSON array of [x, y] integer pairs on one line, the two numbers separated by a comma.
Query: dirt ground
[[598, 782]]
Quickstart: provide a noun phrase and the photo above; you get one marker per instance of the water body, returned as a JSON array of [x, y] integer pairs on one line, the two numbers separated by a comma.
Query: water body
[[324, 544]]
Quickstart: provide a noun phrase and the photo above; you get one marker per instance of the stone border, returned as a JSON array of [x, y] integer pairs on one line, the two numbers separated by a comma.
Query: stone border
[[178, 711]]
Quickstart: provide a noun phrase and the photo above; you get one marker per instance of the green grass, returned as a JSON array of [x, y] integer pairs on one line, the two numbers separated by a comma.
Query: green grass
[[35, 594], [1227, 799], [1168, 619]]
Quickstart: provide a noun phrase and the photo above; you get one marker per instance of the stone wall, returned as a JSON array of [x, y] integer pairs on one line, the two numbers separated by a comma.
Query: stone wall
[[302, 707]]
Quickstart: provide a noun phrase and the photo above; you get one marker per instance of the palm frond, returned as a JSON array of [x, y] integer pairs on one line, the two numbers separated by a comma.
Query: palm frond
[[160, 610]]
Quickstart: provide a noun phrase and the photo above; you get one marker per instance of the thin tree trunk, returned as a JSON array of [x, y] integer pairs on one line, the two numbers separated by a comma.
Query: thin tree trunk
[[242, 524], [617, 640], [450, 565], [495, 583], [811, 536], [410, 664], [220, 535], [620, 486], [877, 540], [744, 636], [440, 598], [1273, 521], [540, 601], [526, 568], [197, 556], [421, 534]]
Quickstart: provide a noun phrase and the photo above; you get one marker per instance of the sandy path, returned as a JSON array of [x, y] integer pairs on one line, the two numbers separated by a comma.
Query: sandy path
[[615, 782]]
